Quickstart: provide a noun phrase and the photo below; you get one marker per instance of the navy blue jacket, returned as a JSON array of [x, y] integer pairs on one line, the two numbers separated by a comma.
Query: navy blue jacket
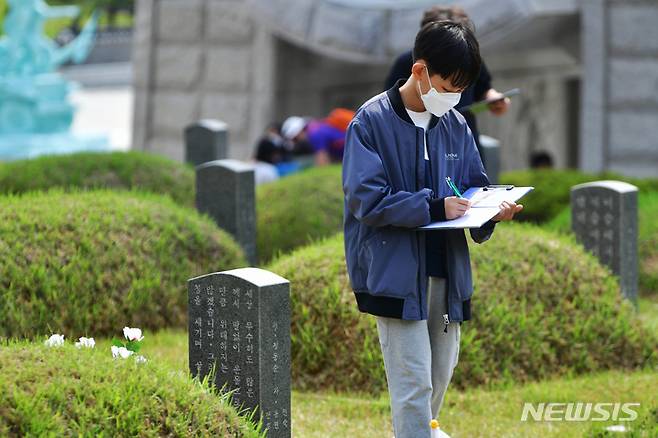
[[385, 201]]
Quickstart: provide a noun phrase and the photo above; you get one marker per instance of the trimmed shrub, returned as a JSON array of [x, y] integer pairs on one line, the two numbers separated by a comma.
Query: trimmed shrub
[[89, 261], [648, 242], [68, 392], [116, 170], [546, 308], [307, 206], [560, 223], [297, 209], [553, 189], [647, 239], [333, 345]]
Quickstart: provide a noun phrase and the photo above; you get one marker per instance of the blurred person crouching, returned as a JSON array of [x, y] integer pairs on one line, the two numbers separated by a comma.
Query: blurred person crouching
[[324, 138]]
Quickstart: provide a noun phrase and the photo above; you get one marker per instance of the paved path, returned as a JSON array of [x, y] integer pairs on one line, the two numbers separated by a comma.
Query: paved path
[[104, 101], [106, 111]]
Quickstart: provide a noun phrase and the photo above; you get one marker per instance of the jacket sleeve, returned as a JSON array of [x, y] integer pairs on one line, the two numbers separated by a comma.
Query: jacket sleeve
[[368, 195], [477, 177]]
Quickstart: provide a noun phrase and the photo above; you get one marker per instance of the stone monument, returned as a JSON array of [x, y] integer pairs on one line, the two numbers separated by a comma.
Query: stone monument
[[604, 220], [239, 325], [206, 140], [226, 191], [490, 152]]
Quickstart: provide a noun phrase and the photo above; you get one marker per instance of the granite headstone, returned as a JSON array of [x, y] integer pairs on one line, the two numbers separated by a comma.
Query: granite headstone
[[206, 140], [226, 191], [490, 152], [239, 323], [604, 220]]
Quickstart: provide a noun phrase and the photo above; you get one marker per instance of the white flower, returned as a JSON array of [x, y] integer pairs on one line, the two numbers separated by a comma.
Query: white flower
[[122, 352], [85, 342], [55, 340], [133, 334], [616, 428], [140, 359]]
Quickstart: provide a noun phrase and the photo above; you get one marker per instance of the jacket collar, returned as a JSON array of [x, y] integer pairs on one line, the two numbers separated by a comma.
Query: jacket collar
[[398, 106]]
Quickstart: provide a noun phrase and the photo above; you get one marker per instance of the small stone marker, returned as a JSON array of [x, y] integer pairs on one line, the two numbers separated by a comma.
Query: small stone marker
[[604, 220], [206, 140], [490, 150], [240, 323], [226, 190]]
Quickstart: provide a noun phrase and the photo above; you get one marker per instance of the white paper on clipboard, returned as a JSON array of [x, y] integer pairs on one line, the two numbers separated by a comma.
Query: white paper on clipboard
[[486, 205]]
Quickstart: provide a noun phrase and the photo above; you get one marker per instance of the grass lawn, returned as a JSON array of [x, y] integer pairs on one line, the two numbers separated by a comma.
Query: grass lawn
[[477, 413], [472, 413]]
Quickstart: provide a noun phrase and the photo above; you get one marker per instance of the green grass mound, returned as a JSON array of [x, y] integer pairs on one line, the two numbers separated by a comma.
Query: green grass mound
[[545, 308], [553, 189], [297, 209], [647, 239], [68, 392], [89, 261], [116, 170]]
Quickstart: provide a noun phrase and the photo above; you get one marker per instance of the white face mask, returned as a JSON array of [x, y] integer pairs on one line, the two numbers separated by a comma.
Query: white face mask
[[435, 102]]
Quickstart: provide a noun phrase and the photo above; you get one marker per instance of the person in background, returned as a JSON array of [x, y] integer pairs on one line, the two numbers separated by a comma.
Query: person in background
[[326, 137], [274, 156], [272, 146], [479, 90], [293, 131], [541, 160]]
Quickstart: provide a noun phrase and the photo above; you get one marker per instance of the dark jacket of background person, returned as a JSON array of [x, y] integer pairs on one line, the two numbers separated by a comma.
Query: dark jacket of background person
[[385, 200], [402, 69], [272, 147], [272, 150]]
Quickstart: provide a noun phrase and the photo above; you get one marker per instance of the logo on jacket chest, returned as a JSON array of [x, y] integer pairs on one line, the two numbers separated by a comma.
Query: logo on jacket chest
[[451, 156]]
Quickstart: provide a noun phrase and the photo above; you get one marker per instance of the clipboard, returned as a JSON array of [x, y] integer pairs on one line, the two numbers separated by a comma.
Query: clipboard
[[486, 201]]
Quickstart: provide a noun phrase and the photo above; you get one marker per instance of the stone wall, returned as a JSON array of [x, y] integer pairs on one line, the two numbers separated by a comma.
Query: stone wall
[[544, 116], [590, 102], [200, 59], [209, 58], [310, 84], [619, 128]]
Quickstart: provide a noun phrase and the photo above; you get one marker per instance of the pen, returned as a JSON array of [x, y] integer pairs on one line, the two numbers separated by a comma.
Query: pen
[[453, 187]]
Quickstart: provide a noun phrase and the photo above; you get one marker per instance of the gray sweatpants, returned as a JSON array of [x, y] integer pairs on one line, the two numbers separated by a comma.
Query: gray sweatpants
[[419, 358]]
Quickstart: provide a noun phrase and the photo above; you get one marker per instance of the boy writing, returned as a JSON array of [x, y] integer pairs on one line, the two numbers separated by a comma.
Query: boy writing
[[399, 149]]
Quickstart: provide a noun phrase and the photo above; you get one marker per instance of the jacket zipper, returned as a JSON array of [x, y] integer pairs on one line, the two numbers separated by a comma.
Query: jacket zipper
[[418, 269], [418, 279], [446, 318]]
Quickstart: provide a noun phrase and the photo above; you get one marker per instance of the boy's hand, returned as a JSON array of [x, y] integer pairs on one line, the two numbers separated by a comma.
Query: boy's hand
[[509, 209], [456, 207]]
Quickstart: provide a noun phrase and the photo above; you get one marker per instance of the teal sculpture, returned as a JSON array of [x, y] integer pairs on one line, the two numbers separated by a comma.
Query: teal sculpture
[[35, 112]]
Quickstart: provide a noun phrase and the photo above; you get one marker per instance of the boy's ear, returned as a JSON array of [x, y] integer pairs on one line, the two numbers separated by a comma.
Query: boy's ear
[[418, 70]]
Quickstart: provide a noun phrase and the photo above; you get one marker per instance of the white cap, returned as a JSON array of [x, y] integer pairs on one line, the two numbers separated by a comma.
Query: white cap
[[292, 127]]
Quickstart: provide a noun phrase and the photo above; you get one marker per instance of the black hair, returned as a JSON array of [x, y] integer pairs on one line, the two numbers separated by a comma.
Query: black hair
[[450, 50]]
